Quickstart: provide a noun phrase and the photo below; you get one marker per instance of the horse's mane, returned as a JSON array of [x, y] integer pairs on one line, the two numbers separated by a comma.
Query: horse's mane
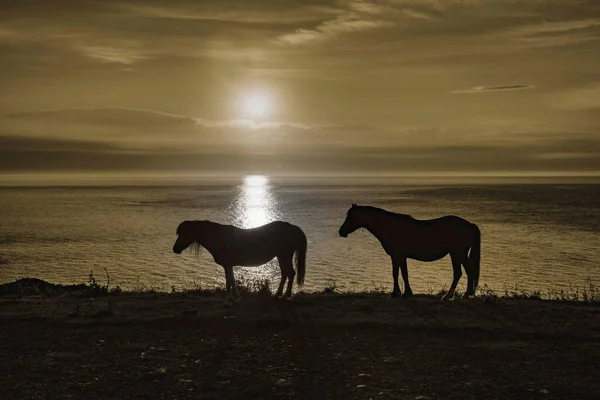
[[196, 222], [384, 212]]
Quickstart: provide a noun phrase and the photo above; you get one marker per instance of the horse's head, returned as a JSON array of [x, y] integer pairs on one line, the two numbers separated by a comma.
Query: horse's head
[[351, 223], [186, 235]]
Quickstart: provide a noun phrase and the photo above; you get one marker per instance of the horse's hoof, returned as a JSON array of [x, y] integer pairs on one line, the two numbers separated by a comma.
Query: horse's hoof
[[286, 296], [395, 295], [229, 301], [407, 295]]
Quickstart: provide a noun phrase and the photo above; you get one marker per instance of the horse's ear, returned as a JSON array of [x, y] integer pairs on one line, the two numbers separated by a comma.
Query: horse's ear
[[353, 205]]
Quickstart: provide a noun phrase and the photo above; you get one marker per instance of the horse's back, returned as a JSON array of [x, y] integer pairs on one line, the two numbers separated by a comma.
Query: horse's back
[[273, 232], [274, 226], [446, 231], [445, 220]]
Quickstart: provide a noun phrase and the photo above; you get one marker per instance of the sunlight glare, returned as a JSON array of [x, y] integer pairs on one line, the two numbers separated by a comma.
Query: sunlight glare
[[255, 204], [257, 201], [256, 105], [255, 180]]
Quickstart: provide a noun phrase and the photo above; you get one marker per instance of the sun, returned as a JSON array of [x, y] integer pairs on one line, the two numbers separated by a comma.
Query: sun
[[256, 105]]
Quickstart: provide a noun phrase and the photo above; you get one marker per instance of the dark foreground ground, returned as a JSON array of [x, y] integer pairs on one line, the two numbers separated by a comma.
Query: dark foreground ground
[[318, 346]]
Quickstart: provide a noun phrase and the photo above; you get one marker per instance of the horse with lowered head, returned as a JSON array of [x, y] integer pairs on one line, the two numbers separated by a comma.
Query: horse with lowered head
[[403, 236], [231, 246]]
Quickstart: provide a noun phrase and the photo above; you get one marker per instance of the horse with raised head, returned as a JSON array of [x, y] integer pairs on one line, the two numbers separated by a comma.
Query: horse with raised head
[[403, 237], [231, 246]]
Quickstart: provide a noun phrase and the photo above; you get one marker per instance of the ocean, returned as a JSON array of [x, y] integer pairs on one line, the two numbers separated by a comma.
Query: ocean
[[534, 237]]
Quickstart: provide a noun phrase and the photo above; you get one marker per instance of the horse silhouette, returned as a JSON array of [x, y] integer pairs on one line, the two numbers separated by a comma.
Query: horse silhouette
[[231, 246], [403, 236]]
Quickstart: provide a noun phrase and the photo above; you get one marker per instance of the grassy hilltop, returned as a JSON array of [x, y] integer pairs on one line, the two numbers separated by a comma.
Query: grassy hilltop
[[90, 341]]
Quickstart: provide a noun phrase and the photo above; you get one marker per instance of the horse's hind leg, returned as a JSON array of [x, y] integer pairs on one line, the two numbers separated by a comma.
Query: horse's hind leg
[[395, 267], [404, 269], [232, 291], [279, 292], [470, 281], [457, 270], [235, 291], [289, 266], [228, 285]]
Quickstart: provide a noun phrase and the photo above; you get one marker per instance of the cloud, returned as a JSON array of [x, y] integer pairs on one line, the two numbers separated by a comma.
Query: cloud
[[87, 42], [253, 125], [19, 154], [126, 33], [144, 130], [483, 89], [356, 16], [333, 28], [111, 54], [545, 34], [554, 27], [292, 11], [125, 117], [131, 34], [144, 140], [583, 98], [131, 129], [11, 144]]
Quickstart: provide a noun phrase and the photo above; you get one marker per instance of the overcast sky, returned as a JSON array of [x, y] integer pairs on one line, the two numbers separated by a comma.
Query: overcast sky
[[351, 86]]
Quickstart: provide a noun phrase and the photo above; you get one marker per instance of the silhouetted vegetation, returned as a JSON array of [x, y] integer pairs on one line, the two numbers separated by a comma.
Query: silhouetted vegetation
[[38, 287], [95, 289], [589, 293]]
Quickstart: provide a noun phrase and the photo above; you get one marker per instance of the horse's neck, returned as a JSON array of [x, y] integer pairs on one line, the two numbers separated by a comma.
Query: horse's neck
[[384, 227], [209, 238]]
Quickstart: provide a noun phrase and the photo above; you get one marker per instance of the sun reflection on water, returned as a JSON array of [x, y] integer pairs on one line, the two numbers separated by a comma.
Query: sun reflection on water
[[255, 204]]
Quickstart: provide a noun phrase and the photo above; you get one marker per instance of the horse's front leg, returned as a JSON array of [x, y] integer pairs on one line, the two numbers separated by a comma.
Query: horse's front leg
[[395, 267]]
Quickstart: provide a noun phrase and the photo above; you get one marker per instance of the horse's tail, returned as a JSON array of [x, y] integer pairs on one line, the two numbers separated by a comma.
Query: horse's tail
[[475, 257], [301, 258]]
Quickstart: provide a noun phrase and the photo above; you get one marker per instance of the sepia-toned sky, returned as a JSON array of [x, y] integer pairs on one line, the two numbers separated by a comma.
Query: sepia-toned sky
[[394, 86]]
